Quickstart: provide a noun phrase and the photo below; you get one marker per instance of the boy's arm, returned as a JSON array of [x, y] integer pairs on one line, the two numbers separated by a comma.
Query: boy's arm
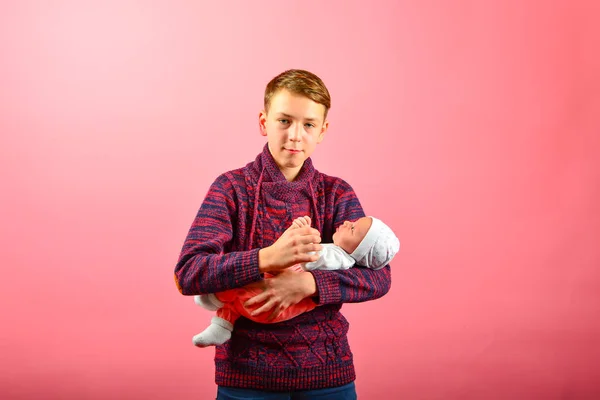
[[205, 265], [356, 284]]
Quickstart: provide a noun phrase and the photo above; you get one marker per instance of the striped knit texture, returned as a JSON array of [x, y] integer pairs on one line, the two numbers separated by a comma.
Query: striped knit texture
[[310, 351]]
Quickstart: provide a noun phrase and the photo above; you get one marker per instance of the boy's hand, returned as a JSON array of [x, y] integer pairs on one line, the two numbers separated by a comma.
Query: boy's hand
[[280, 292], [298, 244]]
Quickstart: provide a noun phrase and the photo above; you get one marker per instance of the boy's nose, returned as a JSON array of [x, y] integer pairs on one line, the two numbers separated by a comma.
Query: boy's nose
[[295, 133]]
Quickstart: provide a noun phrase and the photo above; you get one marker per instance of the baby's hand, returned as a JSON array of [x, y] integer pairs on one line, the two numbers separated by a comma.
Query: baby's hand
[[300, 222]]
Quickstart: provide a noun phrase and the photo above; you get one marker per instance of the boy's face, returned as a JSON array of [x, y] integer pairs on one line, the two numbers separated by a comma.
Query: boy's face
[[349, 235], [293, 126]]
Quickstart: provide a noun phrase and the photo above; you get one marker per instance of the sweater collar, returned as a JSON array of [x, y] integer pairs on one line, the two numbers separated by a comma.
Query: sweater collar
[[274, 182], [270, 181]]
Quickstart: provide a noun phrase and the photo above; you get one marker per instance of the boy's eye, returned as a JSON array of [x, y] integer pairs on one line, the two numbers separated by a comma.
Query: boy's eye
[[284, 121], [309, 125]]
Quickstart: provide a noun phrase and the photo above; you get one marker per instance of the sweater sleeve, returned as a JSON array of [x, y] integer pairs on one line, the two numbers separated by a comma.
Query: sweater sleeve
[[205, 265], [356, 284]]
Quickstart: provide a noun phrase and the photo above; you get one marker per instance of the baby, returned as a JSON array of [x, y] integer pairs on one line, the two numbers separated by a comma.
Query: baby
[[367, 242]]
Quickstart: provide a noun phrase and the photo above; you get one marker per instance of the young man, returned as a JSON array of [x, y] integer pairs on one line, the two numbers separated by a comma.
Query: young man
[[239, 234]]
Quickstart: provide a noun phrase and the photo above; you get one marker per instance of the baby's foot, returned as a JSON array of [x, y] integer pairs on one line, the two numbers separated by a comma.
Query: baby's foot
[[218, 332], [300, 222]]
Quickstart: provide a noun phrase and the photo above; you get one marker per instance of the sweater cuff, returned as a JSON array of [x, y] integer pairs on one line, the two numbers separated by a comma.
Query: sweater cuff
[[328, 287], [246, 269]]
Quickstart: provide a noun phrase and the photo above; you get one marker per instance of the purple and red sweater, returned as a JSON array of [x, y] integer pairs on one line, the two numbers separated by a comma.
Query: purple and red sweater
[[245, 210]]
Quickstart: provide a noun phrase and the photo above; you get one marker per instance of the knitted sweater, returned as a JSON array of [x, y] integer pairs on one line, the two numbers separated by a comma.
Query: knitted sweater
[[245, 210]]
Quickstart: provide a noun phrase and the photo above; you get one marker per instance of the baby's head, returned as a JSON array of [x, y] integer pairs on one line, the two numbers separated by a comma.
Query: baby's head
[[368, 240]]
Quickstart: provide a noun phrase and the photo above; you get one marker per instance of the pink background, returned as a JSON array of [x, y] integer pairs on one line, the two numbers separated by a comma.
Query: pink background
[[471, 127]]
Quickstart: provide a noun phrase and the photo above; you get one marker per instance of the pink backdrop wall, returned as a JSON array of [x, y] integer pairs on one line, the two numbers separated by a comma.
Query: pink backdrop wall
[[472, 128]]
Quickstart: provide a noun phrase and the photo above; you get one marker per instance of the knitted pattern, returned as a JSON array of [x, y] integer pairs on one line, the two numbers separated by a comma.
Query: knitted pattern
[[247, 209]]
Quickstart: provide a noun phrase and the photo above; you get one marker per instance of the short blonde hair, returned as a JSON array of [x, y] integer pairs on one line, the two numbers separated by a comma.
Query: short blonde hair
[[299, 82]]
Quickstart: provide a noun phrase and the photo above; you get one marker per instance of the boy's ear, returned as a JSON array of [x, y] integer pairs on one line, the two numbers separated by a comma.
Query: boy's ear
[[323, 131], [262, 122]]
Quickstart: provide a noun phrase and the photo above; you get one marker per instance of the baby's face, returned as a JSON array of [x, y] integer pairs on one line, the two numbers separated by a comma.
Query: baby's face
[[349, 235]]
